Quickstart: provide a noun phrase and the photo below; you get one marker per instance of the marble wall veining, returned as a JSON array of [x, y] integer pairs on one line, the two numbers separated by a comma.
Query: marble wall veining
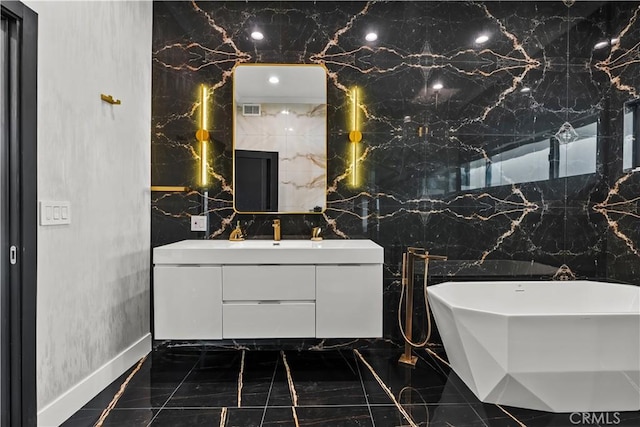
[[460, 169], [93, 297]]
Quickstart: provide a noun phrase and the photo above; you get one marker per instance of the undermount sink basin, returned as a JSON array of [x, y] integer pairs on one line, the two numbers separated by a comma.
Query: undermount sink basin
[[297, 244], [269, 252]]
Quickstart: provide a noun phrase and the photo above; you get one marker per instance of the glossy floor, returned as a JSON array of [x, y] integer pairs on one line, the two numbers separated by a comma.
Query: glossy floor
[[367, 387]]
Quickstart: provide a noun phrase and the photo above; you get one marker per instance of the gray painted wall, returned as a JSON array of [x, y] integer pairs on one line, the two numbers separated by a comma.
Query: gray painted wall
[[93, 275]]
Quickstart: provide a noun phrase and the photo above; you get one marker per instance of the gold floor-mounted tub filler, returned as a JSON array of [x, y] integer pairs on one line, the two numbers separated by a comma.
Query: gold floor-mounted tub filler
[[408, 259]]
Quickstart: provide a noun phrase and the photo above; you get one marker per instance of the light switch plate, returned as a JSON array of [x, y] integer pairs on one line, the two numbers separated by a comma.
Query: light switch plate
[[55, 212], [198, 223]]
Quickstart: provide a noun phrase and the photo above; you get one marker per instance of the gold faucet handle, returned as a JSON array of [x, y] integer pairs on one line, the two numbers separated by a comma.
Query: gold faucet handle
[[236, 235], [315, 234]]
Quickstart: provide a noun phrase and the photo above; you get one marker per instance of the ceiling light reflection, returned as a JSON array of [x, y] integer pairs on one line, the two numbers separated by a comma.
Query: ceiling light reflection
[[483, 38], [604, 43], [371, 37], [601, 44]]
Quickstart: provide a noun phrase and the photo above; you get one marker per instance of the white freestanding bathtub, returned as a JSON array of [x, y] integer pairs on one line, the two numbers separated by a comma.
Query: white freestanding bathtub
[[561, 346]]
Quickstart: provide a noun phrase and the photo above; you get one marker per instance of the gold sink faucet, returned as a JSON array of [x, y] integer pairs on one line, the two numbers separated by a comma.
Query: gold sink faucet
[[276, 229], [315, 234]]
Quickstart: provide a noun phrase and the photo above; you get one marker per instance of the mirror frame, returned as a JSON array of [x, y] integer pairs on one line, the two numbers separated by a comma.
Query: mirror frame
[[326, 137], [631, 112]]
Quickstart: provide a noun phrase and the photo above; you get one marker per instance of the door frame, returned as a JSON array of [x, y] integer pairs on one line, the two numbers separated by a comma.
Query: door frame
[[20, 396]]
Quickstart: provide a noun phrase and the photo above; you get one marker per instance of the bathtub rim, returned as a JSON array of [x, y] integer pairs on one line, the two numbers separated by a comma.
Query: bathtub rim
[[633, 310]]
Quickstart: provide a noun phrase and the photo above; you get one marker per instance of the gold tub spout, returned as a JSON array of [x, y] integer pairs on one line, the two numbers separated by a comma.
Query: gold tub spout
[[236, 235], [276, 229]]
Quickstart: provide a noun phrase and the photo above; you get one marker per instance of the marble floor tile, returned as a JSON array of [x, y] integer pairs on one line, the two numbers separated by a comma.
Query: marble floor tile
[[458, 415], [244, 417], [421, 384], [333, 388], [83, 418], [280, 417], [494, 416], [335, 416], [188, 417], [213, 382], [257, 377], [116, 418], [318, 378]]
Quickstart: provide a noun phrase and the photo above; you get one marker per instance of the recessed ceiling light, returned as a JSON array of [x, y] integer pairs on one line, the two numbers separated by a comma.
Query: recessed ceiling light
[[438, 86], [601, 44], [284, 112], [274, 80], [257, 35], [483, 38], [525, 89], [371, 37]]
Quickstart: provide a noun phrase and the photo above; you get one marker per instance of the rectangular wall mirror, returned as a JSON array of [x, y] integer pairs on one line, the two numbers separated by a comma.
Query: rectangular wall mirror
[[279, 138]]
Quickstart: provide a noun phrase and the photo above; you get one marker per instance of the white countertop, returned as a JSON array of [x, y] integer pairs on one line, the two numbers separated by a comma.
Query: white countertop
[[197, 252]]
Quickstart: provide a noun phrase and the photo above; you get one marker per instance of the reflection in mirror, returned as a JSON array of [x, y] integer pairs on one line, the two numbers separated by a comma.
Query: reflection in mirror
[[280, 122], [631, 138], [566, 152]]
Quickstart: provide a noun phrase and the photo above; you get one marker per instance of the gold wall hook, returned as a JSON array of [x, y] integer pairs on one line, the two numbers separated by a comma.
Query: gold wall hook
[[110, 99]]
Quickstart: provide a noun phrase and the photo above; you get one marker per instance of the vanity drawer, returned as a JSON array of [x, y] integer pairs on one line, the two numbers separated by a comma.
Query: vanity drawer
[[268, 282], [269, 320]]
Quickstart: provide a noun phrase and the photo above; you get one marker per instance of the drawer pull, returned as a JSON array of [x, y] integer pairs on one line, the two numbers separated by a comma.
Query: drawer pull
[[268, 302]]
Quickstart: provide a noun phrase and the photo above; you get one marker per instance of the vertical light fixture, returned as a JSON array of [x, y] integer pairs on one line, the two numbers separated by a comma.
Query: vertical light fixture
[[355, 136], [202, 135]]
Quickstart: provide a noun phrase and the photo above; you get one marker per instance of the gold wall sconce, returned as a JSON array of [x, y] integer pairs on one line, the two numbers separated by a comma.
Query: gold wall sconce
[[202, 135], [355, 135], [110, 99]]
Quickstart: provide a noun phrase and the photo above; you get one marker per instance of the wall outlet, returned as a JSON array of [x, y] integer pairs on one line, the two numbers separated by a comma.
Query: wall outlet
[[198, 223]]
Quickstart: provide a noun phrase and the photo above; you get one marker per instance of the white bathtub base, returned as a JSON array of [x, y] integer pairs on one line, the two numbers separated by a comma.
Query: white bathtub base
[[547, 361], [562, 393]]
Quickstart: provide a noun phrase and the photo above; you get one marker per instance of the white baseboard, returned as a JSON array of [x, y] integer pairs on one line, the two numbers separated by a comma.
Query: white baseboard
[[77, 396]]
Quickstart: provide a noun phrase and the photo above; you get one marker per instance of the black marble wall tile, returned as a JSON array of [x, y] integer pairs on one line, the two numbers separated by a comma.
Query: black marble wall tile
[[417, 139]]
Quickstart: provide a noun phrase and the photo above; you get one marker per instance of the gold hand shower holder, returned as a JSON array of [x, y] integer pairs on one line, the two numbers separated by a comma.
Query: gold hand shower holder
[[408, 259]]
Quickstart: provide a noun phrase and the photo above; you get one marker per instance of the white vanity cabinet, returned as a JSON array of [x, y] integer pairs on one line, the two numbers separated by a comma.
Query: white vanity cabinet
[[349, 301], [187, 302], [214, 289]]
